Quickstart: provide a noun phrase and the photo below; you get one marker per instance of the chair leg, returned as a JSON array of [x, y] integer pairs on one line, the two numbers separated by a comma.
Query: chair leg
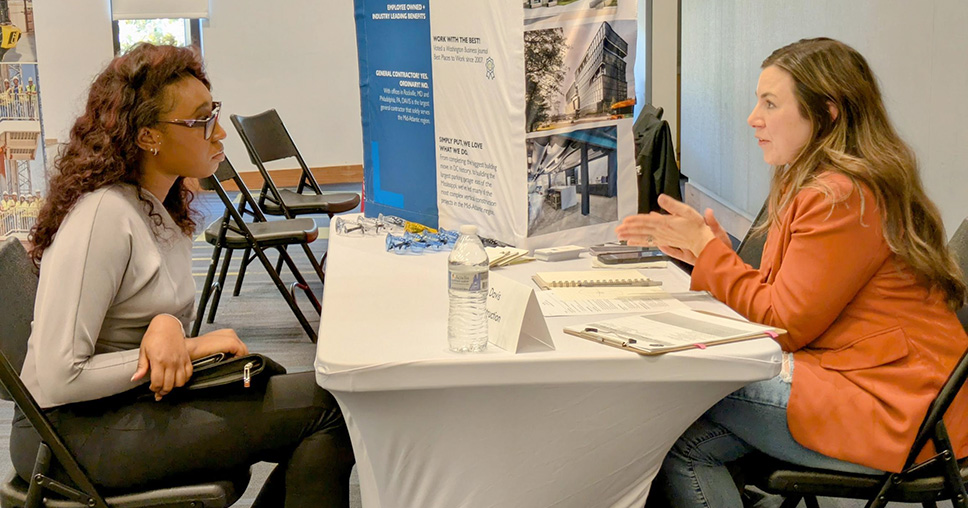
[[811, 501], [35, 492], [791, 502], [302, 283], [930, 504], [245, 263], [206, 291], [285, 294], [220, 285], [282, 249], [312, 261]]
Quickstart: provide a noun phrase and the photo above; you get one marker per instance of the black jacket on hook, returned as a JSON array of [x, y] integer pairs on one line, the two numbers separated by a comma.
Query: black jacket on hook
[[655, 159]]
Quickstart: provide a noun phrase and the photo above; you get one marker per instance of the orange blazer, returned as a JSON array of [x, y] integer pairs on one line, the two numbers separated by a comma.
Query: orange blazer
[[872, 347]]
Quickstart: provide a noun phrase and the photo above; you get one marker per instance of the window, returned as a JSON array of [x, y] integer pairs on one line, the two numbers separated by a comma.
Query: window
[[174, 31], [175, 22]]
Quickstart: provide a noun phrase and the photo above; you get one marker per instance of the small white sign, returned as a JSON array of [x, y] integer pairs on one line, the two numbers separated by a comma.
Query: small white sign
[[514, 319]]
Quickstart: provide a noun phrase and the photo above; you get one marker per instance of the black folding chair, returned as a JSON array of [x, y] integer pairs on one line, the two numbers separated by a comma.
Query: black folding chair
[[750, 250], [959, 247], [18, 285], [942, 477], [232, 232], [266, 139], [939, 478]]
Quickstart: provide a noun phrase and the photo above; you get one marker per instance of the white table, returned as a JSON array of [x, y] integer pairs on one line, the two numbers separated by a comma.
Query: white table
[[581, 426]]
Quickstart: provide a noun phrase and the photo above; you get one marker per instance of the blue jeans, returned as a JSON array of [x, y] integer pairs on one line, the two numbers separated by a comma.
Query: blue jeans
[[750, 419]]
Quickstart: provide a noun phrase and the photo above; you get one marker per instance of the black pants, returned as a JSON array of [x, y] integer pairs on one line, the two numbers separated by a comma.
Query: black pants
[[129, 442]]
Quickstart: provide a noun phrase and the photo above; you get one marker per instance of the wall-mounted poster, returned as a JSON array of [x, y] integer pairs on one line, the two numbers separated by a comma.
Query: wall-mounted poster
[[23, 175], [513, 117]]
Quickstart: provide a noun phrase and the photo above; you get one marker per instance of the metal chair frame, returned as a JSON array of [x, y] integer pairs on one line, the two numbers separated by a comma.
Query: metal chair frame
[[53, 450], [277, 144], [914, 483], [233, 220]]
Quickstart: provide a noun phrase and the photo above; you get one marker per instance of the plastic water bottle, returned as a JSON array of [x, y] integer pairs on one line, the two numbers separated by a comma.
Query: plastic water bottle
[[467, 286]]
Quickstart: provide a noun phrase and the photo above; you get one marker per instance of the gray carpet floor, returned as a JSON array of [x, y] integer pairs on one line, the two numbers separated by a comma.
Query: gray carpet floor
[[263, 320]]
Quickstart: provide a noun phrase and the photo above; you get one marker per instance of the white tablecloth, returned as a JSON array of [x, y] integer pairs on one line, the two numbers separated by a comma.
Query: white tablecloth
[[583, 426]]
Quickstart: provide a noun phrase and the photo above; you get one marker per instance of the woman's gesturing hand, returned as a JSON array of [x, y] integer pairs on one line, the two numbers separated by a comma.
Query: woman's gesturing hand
[[164, 353], [682, 234]]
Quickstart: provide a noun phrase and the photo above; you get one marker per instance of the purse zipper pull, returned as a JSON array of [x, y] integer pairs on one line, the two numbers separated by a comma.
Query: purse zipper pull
[[247, 374]]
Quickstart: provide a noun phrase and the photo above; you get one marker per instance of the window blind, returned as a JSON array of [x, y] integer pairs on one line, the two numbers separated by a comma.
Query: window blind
[[153, 9]]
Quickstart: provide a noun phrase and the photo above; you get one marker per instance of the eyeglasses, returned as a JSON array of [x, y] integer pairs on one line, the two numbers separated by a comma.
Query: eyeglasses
[[209, 122]]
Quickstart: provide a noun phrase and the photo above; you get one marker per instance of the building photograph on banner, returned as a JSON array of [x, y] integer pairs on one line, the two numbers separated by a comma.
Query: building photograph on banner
[[578, 74], [580, 93], [572, 180]]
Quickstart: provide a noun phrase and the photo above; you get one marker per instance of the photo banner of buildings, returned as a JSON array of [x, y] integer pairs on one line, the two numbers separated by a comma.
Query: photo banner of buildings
[[516, 118]]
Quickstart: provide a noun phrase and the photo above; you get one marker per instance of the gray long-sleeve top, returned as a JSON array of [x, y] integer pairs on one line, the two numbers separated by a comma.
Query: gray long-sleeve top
[[110, 270]]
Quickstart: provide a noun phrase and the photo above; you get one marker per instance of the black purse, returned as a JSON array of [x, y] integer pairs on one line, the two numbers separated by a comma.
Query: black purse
[[221, 369]]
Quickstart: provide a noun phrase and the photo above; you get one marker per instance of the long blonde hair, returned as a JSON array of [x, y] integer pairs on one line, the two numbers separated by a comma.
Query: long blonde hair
[[861, 143]]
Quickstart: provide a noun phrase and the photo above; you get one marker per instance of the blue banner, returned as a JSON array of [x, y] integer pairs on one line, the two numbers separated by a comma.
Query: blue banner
[[396, 89]]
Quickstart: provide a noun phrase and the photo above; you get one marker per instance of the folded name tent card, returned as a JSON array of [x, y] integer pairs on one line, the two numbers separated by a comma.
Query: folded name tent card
[[591, 278], [514, 319], [674, 330]]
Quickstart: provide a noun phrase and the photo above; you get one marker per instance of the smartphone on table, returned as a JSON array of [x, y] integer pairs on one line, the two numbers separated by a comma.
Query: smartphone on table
[[619, 258], [614, 248]]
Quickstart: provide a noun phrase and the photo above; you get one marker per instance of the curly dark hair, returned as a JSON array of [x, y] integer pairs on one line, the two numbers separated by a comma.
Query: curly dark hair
[[126, 96]]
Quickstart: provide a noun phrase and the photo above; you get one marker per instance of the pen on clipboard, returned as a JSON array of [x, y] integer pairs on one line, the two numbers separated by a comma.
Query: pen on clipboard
[[606, 339]]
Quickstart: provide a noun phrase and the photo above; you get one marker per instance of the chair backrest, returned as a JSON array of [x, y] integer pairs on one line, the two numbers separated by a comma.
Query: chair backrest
[[959, 247], [266, 139], [18, 285], [750, 250], [265, 135], [939, 407]]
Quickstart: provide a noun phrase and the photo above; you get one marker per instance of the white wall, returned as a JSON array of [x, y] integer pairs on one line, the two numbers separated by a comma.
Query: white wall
[[297, 56], [665, 60], [919, 51], [656, 54], [74, 42]]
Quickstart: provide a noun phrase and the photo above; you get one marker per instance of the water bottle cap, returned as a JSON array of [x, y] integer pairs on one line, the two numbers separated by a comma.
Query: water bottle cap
[[468, 229]]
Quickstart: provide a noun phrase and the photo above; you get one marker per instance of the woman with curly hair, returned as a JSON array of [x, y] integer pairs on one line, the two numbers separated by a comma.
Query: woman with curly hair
[[116, 294], [855, 268]]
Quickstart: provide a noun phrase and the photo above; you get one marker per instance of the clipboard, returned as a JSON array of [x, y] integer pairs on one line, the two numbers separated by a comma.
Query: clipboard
[[646, 345]]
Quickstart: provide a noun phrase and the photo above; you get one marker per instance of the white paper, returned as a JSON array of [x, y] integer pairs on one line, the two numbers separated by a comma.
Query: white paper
[[605, 300]]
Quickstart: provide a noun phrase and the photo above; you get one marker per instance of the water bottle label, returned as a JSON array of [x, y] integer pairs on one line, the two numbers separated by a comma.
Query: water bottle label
[[472, 281]]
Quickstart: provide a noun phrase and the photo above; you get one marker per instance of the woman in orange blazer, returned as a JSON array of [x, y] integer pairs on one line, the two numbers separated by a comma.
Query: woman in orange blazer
[[855, 267]]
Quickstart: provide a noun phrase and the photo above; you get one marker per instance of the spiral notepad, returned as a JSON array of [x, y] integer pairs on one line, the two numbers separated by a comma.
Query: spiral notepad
[[592, 278]]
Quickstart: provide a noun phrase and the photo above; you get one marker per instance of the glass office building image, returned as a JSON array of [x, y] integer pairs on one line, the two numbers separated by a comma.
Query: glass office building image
[[600, 79]]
